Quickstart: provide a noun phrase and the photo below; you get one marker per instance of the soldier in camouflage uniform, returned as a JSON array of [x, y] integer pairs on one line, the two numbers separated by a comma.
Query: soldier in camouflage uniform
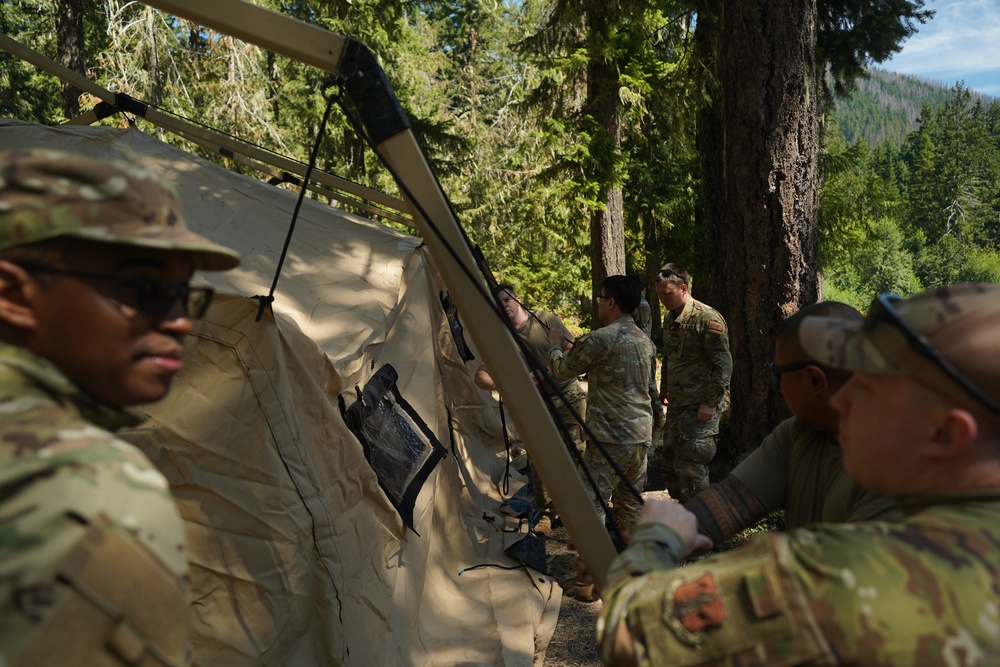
[[95, 261], [919, 422], [798, 467], [694, 382], [532, 327], [617, 359]]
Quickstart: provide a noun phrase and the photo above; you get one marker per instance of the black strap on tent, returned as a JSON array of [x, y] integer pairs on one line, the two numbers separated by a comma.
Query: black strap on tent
[[267, 301], [506, 444]]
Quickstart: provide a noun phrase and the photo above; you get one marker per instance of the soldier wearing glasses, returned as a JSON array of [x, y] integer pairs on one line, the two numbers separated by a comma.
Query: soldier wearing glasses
[[694, 382], [920, 423], [617, 359], [798, 467], [95, 262]]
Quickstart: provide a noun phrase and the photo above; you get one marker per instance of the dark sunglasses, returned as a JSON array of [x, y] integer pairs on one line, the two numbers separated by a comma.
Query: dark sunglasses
[[666, 273], [884, 310], [146, 296], [788, 368], [601, 296]]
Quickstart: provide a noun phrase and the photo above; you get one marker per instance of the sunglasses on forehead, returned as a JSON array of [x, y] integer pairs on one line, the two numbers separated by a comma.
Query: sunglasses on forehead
[[143, 295], [667, 273], [883, 310]]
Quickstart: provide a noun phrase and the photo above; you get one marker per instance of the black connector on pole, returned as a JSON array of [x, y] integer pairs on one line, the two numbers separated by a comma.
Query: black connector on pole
[[369, 92]]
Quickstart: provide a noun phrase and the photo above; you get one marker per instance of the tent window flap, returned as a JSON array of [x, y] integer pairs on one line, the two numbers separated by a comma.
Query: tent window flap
[[398, 445]]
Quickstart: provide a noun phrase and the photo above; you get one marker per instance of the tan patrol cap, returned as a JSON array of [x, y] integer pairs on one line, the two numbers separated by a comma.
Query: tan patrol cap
[[46, 194], [947, 338]]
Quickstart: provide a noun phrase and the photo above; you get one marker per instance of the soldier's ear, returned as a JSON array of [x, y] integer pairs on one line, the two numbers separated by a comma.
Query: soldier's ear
[[956, 432], [16, 289]]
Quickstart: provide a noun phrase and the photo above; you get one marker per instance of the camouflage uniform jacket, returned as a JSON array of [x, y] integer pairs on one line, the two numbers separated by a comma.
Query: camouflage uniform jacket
[[83, 517], [696, 360], [617, 360], [921, 591]]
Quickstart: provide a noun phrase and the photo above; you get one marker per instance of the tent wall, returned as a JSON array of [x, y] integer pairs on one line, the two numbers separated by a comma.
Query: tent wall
[[297, 557]]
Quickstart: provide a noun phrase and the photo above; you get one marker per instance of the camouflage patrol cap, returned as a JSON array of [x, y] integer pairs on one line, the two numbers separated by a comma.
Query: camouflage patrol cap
[[960, 324], [46, 194]]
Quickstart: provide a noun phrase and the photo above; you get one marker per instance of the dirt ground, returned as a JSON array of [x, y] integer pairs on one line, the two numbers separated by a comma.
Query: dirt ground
[[574, 643]]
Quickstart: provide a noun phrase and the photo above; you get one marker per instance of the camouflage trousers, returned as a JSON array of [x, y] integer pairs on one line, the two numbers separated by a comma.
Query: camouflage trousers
[[578, 402], [632, 459], [688, 448]]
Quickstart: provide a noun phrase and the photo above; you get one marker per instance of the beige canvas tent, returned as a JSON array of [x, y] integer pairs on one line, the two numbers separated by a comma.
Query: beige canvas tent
[[297, 555]]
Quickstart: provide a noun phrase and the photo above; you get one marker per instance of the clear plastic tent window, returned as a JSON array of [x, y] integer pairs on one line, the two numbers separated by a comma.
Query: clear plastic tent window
[[397, 443]]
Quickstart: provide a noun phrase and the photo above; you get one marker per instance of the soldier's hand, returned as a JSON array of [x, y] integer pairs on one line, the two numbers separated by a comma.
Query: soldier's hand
[[582, 572], [705, 412], [671, 513], [663, 397]]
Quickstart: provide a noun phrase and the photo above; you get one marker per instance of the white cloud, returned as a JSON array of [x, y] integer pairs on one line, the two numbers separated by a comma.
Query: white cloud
[[961, 42]]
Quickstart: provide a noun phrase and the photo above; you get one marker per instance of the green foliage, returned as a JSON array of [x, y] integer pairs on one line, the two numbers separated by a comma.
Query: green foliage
[[853, 33], [927, 215]]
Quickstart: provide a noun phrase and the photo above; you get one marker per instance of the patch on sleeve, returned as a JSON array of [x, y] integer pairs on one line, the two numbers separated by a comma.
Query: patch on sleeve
[[697, 607], [715, 325]]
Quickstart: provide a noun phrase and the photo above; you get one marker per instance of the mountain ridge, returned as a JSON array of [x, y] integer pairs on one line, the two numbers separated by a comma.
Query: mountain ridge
[[886, 105]]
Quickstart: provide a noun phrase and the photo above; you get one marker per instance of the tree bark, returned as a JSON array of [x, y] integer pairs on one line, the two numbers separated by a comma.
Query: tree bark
[[72, 52], [771, 193], [710, 270], [607, 225]]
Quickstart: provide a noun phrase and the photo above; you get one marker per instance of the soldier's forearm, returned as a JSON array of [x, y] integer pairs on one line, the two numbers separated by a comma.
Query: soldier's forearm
[[725, 509]]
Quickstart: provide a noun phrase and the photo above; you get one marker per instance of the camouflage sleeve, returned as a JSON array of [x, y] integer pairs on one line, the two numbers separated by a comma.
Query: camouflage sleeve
[[652, 547], [742, 607], [580, 358], [716, 343], [882, 593], [80, 508]]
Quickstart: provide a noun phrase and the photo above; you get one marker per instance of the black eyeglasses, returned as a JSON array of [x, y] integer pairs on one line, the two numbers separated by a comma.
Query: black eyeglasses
[[147, 297], [883, 310], [601, 296], [788, 368]]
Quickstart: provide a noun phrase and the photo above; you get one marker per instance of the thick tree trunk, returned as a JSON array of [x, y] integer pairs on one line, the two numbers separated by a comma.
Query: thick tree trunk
[[652, 263], [710, 270], [71, 51], [771, 195], [607, 226]]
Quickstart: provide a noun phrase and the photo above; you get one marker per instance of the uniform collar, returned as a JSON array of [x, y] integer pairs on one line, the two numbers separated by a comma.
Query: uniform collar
[[686, 310], [44, 374]]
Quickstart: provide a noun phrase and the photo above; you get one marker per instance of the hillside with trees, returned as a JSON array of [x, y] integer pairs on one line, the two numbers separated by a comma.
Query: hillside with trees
[[885, 106]]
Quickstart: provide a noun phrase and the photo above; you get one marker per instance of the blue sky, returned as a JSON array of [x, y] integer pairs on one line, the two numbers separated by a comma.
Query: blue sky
[[961, 43]]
